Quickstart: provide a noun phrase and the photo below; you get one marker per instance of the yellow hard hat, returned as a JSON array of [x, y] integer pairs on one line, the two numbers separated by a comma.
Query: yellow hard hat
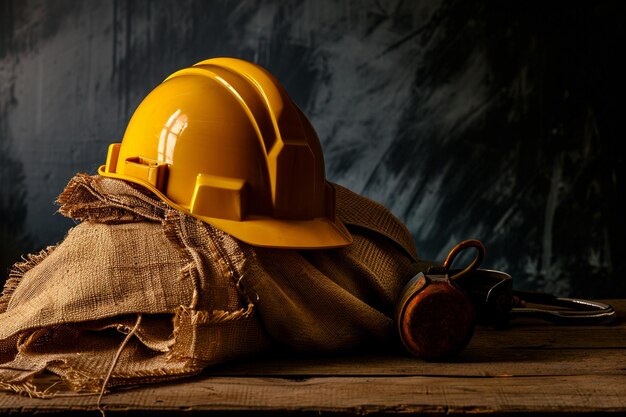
[[223, 142]]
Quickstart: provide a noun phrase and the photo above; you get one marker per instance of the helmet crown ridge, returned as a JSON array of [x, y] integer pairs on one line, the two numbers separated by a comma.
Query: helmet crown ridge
[[223, 141], [286, 141]]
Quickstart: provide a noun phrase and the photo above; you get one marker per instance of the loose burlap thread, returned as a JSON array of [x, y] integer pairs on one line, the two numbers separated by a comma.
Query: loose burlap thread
[[186, 294]]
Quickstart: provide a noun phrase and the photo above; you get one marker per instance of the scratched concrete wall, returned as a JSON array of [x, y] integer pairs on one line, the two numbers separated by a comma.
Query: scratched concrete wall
[[491, 120]]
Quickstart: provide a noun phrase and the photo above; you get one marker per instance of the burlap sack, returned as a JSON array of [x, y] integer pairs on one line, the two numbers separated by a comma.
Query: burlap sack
[[139, 292]]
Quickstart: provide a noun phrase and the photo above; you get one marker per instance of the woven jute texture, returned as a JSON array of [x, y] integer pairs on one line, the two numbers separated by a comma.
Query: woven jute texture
[[138, 292]]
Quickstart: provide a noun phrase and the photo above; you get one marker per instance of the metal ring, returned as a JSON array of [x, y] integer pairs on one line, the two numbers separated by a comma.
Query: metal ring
[[470, 243]]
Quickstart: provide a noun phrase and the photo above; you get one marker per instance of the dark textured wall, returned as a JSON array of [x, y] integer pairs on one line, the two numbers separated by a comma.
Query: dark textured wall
[[493, 120]]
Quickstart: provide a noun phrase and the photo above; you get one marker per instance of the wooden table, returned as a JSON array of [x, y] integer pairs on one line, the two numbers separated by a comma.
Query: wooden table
[[530, 368]]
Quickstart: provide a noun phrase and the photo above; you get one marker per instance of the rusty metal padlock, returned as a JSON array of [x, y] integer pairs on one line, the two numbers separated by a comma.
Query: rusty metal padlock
[[435, 318]]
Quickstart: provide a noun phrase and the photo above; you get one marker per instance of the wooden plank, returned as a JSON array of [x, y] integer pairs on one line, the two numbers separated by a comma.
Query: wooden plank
[[552, 337], [358, 395], [538, 368], [525, 349], [473, 363], [529, 334]]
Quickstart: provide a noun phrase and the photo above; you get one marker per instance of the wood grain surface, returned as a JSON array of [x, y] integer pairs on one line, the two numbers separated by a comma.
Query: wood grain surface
[[530, 368]]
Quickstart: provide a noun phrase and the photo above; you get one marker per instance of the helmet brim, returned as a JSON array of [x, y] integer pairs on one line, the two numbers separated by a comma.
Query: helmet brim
[[262, 231]]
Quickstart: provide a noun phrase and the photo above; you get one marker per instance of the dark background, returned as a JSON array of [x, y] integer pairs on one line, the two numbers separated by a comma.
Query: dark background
[[468, 119]]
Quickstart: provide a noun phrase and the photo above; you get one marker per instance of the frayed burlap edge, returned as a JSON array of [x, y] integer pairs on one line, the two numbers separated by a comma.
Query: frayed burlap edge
[[202, 317], [30, 390], [17, 272], [110, 207]]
